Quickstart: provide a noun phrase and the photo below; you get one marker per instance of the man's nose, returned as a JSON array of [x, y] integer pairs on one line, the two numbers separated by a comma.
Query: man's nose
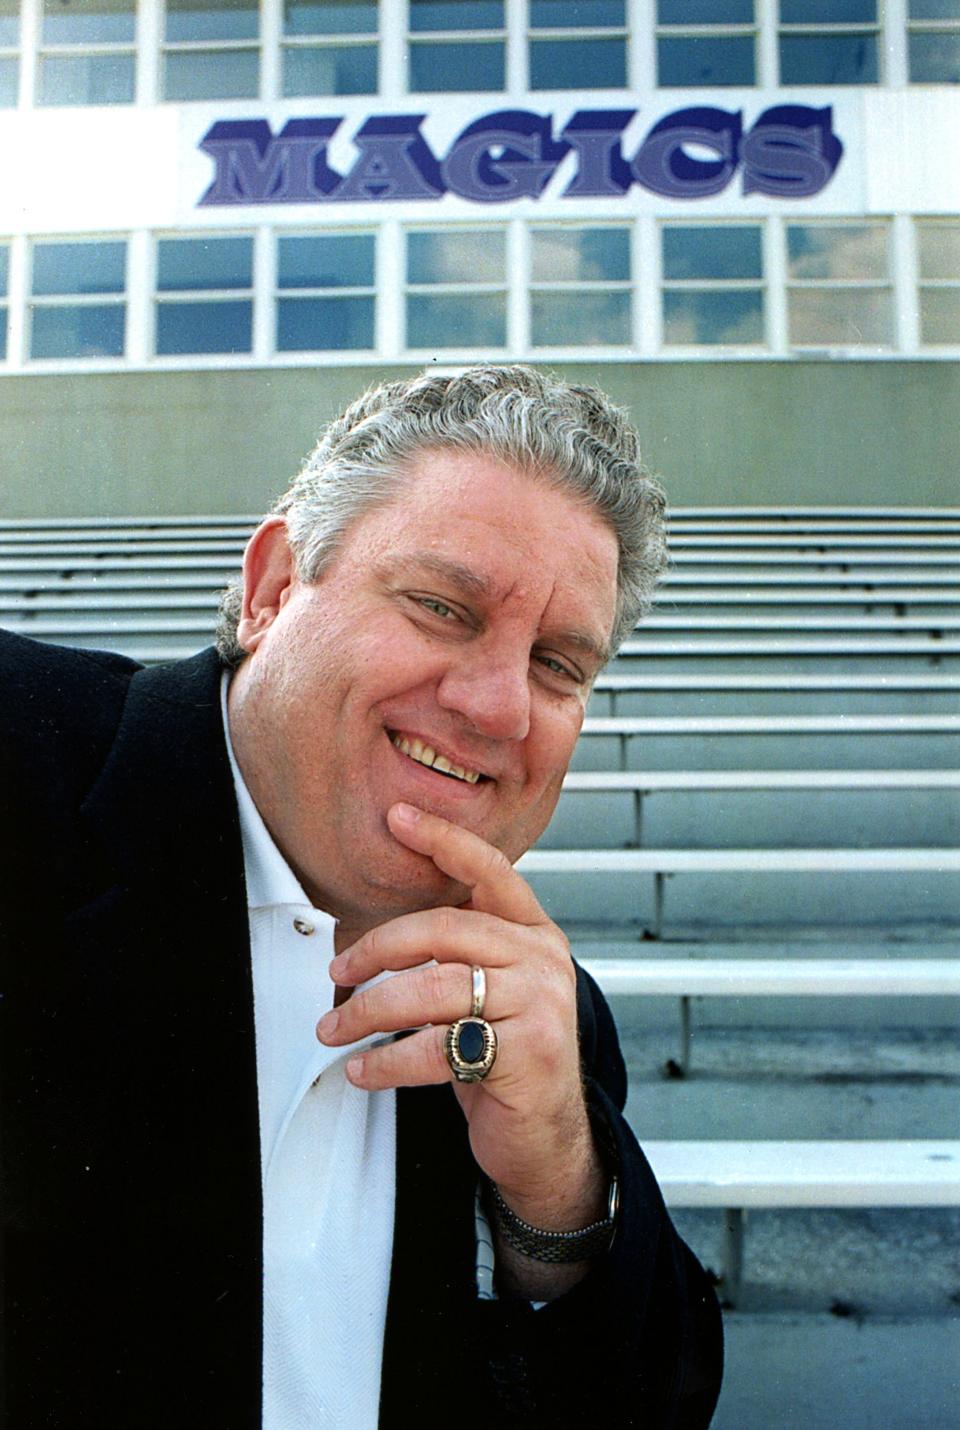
[[491, 689]]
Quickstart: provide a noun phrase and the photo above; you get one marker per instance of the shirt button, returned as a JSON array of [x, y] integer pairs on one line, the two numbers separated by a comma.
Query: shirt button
[[303, 926]]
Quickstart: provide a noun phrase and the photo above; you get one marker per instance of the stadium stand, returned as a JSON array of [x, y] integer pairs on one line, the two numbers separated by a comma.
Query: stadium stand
[[763, 805]]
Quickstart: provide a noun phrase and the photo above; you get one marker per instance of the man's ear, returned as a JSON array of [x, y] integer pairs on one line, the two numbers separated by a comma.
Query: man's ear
[[268, 574]]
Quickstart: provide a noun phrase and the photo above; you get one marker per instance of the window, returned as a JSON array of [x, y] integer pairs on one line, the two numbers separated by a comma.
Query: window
[[578, 44], [712, 285], [4, 279], [87, 54], [705, 42], [839, 292], [327, 294], [938, 252], [330, 47], [456, 45], [580, 288], [78, 307], [210, 49], [828, 42], [9, 58], [934, 41], [456, 288], [204, 295]]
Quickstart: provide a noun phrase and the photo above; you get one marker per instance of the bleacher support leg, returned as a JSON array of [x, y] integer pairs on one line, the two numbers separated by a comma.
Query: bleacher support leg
[[733, 1219], [685, 1034]]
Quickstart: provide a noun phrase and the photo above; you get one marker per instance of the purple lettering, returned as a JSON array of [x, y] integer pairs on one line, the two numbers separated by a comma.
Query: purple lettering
[[508, 155], [664, 164], [255, 167], [395, 162], [595, 136], [791, 151]]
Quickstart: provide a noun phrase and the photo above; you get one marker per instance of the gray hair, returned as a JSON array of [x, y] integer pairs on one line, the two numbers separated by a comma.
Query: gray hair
[[570, 437]]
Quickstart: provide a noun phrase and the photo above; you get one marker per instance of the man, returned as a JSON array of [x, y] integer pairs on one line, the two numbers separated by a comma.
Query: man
[[290, 1041]]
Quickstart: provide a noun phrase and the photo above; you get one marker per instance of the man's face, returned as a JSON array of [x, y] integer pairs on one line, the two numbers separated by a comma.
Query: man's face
[[467, 617]]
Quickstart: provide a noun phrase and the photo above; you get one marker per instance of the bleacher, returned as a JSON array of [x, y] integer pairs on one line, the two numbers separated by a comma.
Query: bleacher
[[760, 825]]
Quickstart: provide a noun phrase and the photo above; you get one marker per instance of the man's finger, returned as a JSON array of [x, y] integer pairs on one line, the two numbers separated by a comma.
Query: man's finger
[[416, 1061], [436, 993], [495, 886], [444, 934]]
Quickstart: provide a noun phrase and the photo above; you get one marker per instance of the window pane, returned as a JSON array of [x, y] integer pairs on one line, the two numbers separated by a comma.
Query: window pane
[[8, 83], [850, 251], [578, 64], [204, 327], [212, 74], [565, 255], [578, 14], [935, 9], [79, 267], [462, 257], [326, 261], [456, 15], [86, 79], [730, 317], [822, 317], [3, 332], [705, 12], [827, 12], [705, 60], [191, 263], [461, 67], [78, 332], [9, 22], [85, 22], [336, 17], [580, 319], [935, 59], [339, 69], [212, 19], [4, 269], [716, 252], [940, 315], [939, 245], [449, 320], [314, 324], [828, 59]]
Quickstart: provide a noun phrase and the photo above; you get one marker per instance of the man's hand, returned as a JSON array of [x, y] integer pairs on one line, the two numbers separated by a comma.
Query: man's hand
[[529, 1129]]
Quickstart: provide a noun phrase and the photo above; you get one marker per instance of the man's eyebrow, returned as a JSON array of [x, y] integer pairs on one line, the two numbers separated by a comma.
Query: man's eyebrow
[[470, 582], [595, 650]]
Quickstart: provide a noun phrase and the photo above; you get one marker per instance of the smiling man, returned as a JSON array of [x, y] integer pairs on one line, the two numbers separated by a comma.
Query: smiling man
[[314, 1120]]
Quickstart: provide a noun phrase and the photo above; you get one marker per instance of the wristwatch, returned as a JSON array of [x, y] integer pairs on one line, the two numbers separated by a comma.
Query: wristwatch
[[555, 1246]]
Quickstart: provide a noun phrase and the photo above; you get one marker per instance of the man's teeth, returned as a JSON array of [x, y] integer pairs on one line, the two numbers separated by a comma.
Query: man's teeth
[[427, 755]]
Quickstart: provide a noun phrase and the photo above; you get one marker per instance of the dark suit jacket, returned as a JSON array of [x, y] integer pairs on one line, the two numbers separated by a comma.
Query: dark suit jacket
[[132, 1204]]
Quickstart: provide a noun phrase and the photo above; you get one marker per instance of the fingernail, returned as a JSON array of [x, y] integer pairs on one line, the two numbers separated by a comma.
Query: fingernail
[[355, 1069], [339, 966], [328, 1024], [406, 813]]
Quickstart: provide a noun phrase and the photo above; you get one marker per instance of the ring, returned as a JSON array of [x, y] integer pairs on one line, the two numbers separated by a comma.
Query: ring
[[479, 992], [470, 1045]]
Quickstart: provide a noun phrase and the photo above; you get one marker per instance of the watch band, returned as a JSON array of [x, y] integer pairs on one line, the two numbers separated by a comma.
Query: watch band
[[555, 1246]]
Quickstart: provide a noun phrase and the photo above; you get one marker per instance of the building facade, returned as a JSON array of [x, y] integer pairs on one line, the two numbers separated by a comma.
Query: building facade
[[218, 220]]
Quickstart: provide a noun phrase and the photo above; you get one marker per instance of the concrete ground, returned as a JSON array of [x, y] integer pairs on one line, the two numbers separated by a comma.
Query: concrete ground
[[814, 1372]]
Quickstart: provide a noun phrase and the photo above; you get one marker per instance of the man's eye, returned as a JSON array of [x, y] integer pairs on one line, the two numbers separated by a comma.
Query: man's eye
[[557, 667], [438, 608]]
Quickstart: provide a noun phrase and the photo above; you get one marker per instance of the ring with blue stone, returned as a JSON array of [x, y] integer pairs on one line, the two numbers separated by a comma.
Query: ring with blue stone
[[470, 1045]]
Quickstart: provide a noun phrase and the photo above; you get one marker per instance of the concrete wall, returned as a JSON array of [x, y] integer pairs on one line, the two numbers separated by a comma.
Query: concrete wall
[[770, 433]]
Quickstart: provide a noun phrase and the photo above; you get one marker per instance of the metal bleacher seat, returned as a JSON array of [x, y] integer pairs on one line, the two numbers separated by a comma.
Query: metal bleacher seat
[[768, 774]]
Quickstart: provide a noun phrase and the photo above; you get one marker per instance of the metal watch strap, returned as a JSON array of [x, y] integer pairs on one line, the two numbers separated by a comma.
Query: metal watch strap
[[555, 1246]]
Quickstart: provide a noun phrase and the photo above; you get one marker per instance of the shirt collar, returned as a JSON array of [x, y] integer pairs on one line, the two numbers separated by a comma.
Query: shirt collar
[[270, 880]]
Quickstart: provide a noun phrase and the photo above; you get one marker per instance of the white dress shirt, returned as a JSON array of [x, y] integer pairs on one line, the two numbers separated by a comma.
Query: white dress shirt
[[328, 1163]]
